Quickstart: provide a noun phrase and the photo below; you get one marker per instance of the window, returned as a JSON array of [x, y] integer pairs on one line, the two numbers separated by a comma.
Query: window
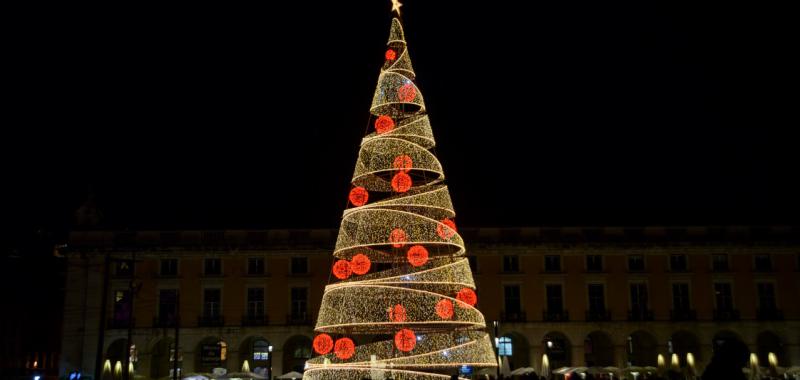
[[638, 297], [723, 296], [122, 306], [299, 265], [719, 263], [123, 268], [766, 296], [635, 263], [212, 299], [261, 350], [255, 266], [213, 267], [555, 300], [680, 296], [473, 263], [167, 305], [594, 263], [299, 302], [511, 263], [763, 263], [597, 300], [677, 263], [512, 299], [169, 267], [255, 302], [504, 346], [552, 263]]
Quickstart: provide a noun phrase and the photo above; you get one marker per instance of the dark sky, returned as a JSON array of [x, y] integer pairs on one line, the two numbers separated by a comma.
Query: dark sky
[[545, 113]]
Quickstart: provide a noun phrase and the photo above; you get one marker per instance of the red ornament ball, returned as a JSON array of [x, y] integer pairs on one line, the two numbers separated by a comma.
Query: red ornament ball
[[358, 196], [398, 237], [405, 340], [360, 264], [390, 55], [403, 163], [446, 228], [384, 124], [407, 92], [444, 308], [323, 344], [344, 348], [417, 255], [401, 182], [397, 313], [341, 269], [467, 296]]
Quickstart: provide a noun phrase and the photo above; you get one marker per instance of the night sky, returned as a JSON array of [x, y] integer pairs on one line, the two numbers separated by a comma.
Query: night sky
[[545, 113]]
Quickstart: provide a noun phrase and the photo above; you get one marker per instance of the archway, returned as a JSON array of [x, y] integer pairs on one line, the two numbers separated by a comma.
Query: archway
[[598, 350], [767, 342], [296, 351], [211, 353], [729, 348], [257, 351], [558, 349], [116, 351], [515, 348], [162, 358], [684, 342], [642, 349]]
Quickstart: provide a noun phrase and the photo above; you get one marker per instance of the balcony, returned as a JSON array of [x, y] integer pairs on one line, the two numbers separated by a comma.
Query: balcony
[[771, 314], [120, 323], [164, 321], [517, 316], [555, 316], [255, 320], [683, 315], [299, 319], [726, 315], [640, 315], [598, 315], [210, 321]]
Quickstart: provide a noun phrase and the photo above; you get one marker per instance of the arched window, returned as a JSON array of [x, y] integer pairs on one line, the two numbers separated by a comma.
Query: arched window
[[261, 350], [504, 346]]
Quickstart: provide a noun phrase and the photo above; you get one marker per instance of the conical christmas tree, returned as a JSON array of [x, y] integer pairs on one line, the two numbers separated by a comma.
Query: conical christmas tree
[[402, 287]]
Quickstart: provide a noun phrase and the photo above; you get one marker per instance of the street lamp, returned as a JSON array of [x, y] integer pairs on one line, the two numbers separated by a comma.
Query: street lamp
[[497, 346], [269, 357]]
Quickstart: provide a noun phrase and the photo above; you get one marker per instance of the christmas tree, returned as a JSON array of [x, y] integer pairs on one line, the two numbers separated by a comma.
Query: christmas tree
[[401, 286]]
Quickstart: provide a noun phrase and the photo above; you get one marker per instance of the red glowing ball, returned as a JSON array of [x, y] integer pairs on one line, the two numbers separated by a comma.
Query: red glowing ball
[[390, 55], [417, 255], [444, 308], [403, 163], [384, 124], [401, 182], [467, 296], [446, 228], [344, 348], [398, 237], [397, 313], [323, 343], [341, 269], [360, 264], [358, 196], [406, 92], [405, 340]]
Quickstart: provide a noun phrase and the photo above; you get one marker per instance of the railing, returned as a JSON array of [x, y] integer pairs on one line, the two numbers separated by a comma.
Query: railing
[[255, 320], [598, 315], [163, 322], [120, 323], [555, 316], [210, 320], [298, 319], [518, 316], [640, 315], [683, 315], [726, 315], [769, 314]]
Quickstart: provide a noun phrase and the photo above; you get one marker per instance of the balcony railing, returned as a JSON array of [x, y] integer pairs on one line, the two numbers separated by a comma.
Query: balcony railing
[[640, 315], [517, 316], [255, 320], [163, 322], [769, 314], [121, 323], [598, 315], [683, 315], [210, 321], [726, 315], [555, 316], [299, 319]]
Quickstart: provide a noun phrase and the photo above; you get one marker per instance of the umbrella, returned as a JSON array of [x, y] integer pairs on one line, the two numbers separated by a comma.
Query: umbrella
[[291, 375], [196, 376], [522, 371], [562, 370], [505, 370], [754, 370], [243, 375], [544, 370]]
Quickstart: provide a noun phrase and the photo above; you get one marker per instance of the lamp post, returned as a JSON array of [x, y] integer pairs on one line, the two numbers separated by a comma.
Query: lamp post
[[497, 346], [269, 364]]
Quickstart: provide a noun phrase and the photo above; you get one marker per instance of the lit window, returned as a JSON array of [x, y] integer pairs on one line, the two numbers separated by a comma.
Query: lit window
[[504, 346], [223, 350]]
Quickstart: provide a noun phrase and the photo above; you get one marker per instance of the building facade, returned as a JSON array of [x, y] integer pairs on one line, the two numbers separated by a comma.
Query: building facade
[[585, 296]]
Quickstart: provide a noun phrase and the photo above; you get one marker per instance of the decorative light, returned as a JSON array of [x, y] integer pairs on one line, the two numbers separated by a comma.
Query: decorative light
[[405, 340], [444, 309], [467, 296], [398, 237], [360, 264], [406, 93], [390, 55], [403, 163], [384, 124], [401, 182], [446, 228], [341, 269], [396, 6], [358, 196], [323, 344], [344, 348], [417, 255], [397, 313]]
